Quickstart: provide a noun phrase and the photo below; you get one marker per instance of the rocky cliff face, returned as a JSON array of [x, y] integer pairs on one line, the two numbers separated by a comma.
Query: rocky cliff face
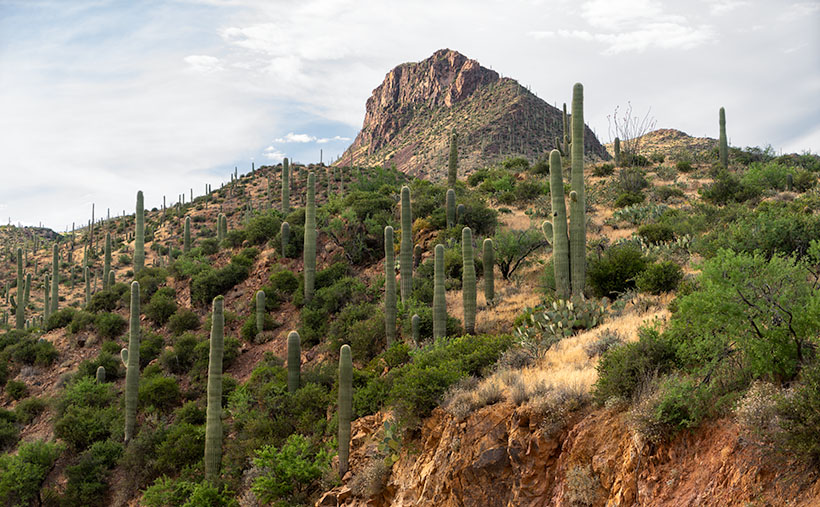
[[410, 116]]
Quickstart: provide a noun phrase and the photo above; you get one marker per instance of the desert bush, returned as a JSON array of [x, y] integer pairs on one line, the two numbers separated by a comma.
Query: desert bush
[[601, 170], [289, 473], [797, 413], [183, 320], [616, 270], [629, 198], [87, 479], [110, 325], [166, 492], [666, 192], [632, 180], [659, 277], [161, 308], [16, 390], [607, 339], [104, 301], [656, 233], [27, 410], [582, 486], [60, 318], [159, 392], [22, 475]]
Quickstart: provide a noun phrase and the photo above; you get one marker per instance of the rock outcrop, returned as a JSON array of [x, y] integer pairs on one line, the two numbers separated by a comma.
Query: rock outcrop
[[410, 116]]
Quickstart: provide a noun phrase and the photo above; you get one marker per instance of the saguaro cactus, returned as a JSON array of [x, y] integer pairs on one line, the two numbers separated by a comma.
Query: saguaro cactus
[[389, 286], [560, 238], [294, 361], [566, 130], [405, 259], [617, 149], [107, 261], [415, 326], [723, 146], [100, 374], [285, 187], [46, 301], [416, 256], [55, 279], [452, 166], [213, 419], [186, 235], [468, 280], [285, 233], [87, 278], [451, 207], [345, 407], [461, 213], [20, 310], [131, 358], [260, 311], [439, 296], [577, 206], [488, 259], [139, 234], [310, 238]]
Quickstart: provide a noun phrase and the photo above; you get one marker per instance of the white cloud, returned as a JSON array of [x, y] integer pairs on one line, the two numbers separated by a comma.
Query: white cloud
[[203, 63], [324, 140], [273, 154], [306, 138], [718, 7]]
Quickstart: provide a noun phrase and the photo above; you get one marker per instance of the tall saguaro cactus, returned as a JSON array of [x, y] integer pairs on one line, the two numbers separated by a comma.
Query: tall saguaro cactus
[[186, 235], [285, 187], [452, 166], [617, 149], [406, 254], [345, 407], [566, 130], [560, 238], [310, 238], [450, 207], [213, 419], [285, 234], [294, 361], [389, 286], [20, 310], [260, 311], [577, 202], [723, 146], [107, 261], [131, 358], [139, 234], [488, 258], [468, 280], [415, 326], [439, 296], [46, 301], [55, 279]]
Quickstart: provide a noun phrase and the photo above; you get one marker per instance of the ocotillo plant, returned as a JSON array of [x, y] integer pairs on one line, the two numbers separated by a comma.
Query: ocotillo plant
[[310, 238], [389, 286], [260, 311], [285, 187], [213, 419], [560, 238], [20, 313], [405, 256], [131, 358], [55, 280], [439, 296], [100, 374], [723, 146], [139, 234], [450, 207], [294, 361], [489, 271], [345, 407], [285, 234], [452, 166], [617, 149], [415, 325], [468, 280], [186, 235], [577, 204], [107, 261]]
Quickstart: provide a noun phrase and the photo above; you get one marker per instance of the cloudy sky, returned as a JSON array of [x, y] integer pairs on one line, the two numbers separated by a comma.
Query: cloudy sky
[[101, 98]]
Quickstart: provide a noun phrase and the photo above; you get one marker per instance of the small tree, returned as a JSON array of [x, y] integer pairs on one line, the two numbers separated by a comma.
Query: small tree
[[289, 472], [513, 249]]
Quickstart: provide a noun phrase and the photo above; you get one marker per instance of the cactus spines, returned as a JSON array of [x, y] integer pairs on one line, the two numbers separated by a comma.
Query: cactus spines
[[20, 311], [452, 165], [310, 238], [488, 259], [345, 407], [560, 239], [55, 280], [723, 145], [451, 207], [139, 234], [405, 260], [213, 420], [546, 228], [285, 234], [617, 150], [260, 311], [186, 235], [468, 280], [107, 261], [132, 360], [577, 222], [294, 361], [415, 326], [100, 374], [439, 296], [389, 286], [285, 187]]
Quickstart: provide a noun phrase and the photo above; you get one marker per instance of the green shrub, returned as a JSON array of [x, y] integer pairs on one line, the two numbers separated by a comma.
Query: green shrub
[[87, 480], [632, 180], [9, 434], [616, 270], [159, 392], [602, 170], [80, 322], [110, 325], [214, 282], [666, 192], [190, 413], [728, 188], [798, 415], [111, 363], [85, 413], [634, 159], [263, 228], [629, 198], [184, 445], [22, 475], [104, 301], [209, 246], [659, 278], [60, 319], [16, 390], [291, 473], [28, 410], [161, 308], [38, 352], [183, 320], [284, 283], [181, 493], [623, 369], [656, 233], [684, 166]]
